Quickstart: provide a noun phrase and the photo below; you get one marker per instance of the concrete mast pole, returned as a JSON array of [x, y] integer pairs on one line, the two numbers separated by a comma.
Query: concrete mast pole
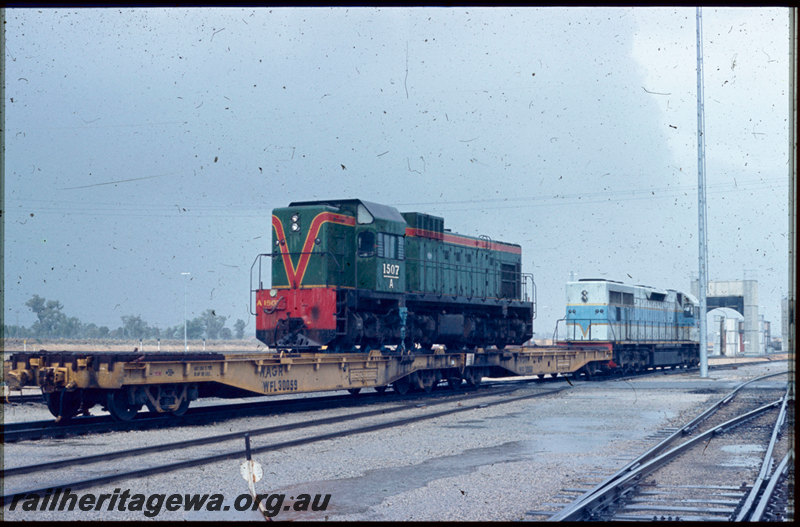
[[792, 296], [701, 201]]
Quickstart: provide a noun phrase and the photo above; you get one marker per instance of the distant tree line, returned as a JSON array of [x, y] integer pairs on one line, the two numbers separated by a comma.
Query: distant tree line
[[54, 323]]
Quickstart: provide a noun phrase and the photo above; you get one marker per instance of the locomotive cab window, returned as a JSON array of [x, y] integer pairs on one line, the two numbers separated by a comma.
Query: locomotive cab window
[[366, 244], [627, 299], [363, 216]]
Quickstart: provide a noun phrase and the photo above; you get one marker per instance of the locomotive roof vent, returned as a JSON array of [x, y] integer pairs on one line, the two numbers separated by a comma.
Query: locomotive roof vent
[[426, 225]]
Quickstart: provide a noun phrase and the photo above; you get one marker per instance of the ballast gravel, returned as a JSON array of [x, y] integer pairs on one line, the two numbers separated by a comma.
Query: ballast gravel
[[492, 463]]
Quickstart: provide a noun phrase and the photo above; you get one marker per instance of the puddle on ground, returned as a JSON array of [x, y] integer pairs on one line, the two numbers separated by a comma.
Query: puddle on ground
[[473, 424], [510, 415], [355, 495]]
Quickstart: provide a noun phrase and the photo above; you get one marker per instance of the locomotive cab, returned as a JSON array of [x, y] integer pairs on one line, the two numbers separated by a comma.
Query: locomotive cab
[[380, 255]]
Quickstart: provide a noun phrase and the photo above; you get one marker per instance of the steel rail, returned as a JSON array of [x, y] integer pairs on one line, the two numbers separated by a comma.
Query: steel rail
[[283, 404], [39, 467], [616, 488], [32, 430], [747, 507], [199, 410], [758, 511], [652, 452], [22, 399], [195, 416], [160, 469]]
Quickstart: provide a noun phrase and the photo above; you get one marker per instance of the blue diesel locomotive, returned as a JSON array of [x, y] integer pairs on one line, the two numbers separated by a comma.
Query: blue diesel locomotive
[[644, 326]]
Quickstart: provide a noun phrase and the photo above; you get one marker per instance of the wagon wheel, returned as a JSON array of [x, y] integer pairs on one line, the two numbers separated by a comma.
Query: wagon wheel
[[178, 412], [119, 407], [454, 383], [402, 386], [63, 405], [473, 377], [354, 391], [428, 380], [381, 389], [181, 410]]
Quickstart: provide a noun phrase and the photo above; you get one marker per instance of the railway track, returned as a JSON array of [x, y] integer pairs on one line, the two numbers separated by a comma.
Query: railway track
[[686, 480], [34, 430], [111, 474], [24, 399], [198, 416]]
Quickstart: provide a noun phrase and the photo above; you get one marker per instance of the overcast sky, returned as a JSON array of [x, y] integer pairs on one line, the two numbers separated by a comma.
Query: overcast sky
[[143, 143]]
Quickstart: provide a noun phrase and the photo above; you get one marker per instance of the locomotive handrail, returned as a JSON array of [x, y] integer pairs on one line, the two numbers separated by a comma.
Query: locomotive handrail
[[524, 277], [259, 257], [261, 284], [645, 331]]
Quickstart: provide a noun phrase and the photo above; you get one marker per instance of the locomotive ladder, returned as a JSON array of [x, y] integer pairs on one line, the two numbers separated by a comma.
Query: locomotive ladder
[[341, 314]]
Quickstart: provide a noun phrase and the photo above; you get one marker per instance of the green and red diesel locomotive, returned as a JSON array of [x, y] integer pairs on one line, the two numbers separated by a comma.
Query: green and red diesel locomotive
[[350, 274]]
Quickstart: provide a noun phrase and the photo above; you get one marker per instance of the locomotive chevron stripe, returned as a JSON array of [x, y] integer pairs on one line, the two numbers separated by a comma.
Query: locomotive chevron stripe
[[463, 240], [295, 274]]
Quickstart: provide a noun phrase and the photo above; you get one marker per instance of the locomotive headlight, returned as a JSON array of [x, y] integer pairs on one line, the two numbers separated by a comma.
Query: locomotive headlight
[[317, 241], [295, 218], [295, 227], [273, 293]]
